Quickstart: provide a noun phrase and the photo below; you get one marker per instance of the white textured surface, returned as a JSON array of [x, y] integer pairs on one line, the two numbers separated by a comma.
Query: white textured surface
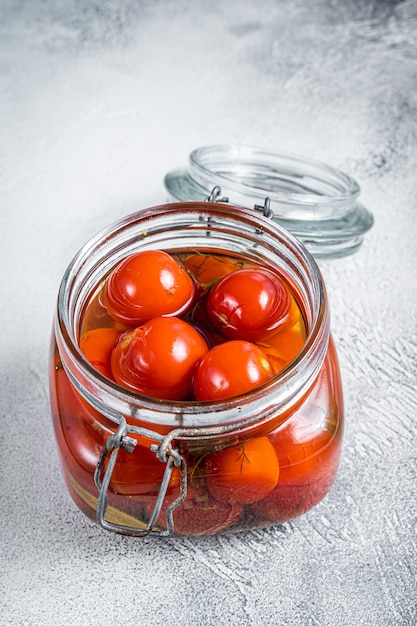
[[97, 101]]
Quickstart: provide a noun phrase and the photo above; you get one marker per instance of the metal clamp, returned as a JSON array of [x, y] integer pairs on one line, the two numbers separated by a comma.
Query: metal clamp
[[165, 453], [265, 208], [215, 195]]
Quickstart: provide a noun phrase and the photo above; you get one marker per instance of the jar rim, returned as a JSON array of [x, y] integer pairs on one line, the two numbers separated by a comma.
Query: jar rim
[[285, 177], [316, 202], [100, 391]]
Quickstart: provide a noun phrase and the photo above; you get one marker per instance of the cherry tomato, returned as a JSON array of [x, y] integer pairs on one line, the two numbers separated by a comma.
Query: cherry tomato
[[145, 285], [283, 347], [248, 304], [286, 502], [140, 471], [230, 369], [208, 269], [199, 514], [97, 346], [158, 358], [302, 446], [78, 427], [295, 317], [308, 455], [244, 473]]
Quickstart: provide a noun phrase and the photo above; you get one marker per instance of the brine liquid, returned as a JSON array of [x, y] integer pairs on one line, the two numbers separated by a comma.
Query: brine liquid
[[307, 444]]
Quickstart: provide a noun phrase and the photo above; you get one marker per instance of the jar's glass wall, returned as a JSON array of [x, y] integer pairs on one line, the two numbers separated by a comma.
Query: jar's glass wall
[[299, 414]]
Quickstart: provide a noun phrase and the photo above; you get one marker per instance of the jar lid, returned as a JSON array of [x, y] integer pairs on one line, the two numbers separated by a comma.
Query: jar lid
[[315, 202]]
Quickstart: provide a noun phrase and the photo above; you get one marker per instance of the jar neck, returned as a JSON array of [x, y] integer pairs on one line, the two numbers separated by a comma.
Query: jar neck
[[193, 226]]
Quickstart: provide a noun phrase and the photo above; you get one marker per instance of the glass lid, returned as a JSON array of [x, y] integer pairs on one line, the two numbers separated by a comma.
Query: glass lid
[[317, 203]]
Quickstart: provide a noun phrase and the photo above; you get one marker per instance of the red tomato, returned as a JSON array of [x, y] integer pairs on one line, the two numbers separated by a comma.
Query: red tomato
[[207, 269], [308, 455], [140, 471], [97, 346], [244, 473], [77, 425], [289, 501], [248, 304], [230, 369], [283, 347], [158, 358], [199, 514], [147, 284], [302, 447]]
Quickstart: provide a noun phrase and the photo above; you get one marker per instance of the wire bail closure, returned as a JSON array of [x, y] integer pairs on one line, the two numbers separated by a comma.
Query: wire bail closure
[[215, 196], [265, 208], [165, 452]]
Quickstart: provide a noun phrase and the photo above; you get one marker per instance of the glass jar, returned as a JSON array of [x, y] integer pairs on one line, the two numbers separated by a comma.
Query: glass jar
[[318, 203], [139, 466]]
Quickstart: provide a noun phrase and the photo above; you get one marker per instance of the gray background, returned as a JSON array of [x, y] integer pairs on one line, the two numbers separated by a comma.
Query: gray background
[[98, 101]]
